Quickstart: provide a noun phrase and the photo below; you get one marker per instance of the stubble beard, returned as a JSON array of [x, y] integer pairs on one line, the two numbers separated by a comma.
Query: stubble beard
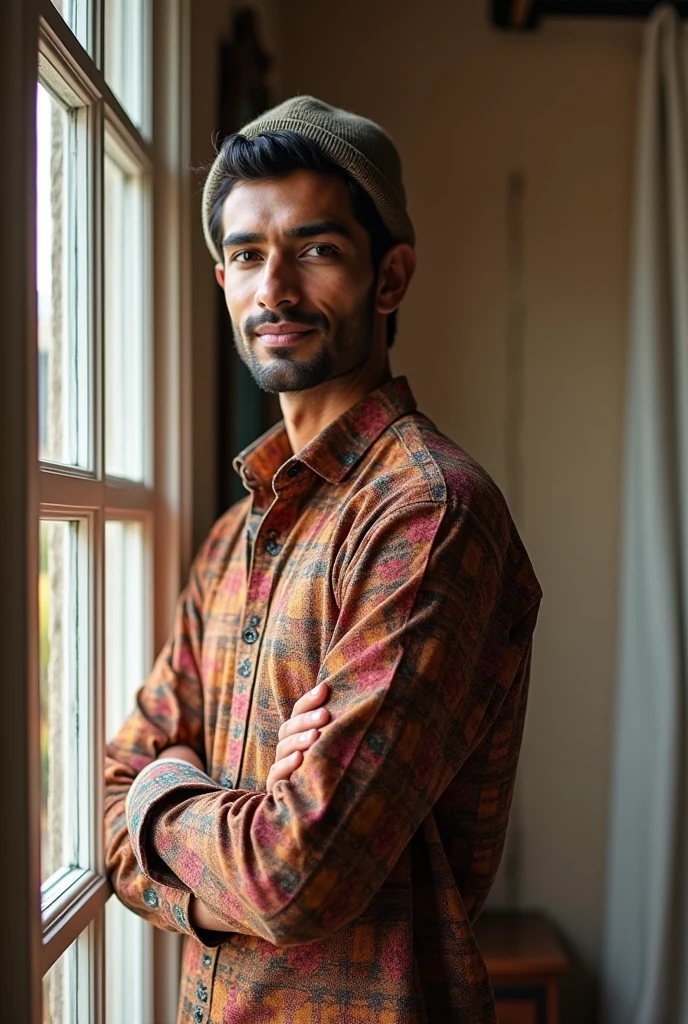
[[340, 352]]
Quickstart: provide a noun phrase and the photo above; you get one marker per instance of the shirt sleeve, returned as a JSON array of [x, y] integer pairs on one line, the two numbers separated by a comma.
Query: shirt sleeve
[[425, 650], [168, 710]]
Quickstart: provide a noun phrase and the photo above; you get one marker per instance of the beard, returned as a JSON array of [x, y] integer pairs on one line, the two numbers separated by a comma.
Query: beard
[[342, 349]]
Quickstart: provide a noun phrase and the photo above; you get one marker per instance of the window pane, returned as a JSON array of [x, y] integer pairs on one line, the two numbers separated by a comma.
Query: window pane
[[126, 618], [67, 985], [128, 966], [127, 69], [127, 938], [60, 989], [61, 615], [126, 355], [62, 309], [77, 15]]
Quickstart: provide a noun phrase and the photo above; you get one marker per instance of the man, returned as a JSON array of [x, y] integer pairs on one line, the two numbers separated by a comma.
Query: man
[[314, 786]]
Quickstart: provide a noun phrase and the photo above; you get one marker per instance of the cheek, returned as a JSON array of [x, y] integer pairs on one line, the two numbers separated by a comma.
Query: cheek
[[338, 290], [239, 295]]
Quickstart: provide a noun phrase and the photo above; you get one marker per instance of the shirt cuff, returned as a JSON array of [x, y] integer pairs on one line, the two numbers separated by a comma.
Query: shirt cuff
[[169, 780], [171, 911]]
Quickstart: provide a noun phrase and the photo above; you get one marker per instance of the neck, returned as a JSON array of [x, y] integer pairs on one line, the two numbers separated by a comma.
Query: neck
[[306, 413]]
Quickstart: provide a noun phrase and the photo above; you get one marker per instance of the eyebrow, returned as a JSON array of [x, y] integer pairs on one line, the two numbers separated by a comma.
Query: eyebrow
[[321, 227]]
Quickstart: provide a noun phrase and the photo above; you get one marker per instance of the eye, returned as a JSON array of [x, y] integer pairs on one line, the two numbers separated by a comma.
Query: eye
[[245, 256], [321, 251]]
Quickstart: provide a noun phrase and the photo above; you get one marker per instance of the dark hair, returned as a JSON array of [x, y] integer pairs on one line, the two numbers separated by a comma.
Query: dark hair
[[274, 154]]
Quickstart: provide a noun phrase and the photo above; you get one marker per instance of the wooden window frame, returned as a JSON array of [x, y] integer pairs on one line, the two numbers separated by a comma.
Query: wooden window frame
[[34, 490]]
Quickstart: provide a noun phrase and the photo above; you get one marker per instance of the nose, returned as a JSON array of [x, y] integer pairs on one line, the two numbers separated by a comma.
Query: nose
[[278, 287]]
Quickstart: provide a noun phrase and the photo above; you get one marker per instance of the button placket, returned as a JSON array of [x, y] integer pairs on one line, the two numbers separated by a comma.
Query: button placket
[[259, 585], [250, 635]]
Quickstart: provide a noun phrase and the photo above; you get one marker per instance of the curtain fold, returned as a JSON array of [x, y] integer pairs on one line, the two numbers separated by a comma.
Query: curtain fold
[[645, 959]]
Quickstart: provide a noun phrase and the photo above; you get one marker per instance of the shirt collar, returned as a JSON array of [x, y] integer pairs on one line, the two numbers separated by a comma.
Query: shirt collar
[[336, 449]]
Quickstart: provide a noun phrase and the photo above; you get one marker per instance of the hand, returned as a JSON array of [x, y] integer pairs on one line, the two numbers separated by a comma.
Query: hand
[[184, 753], [299, 733]]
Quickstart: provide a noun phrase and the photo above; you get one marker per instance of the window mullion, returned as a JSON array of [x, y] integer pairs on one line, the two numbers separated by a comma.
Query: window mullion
[[98, 21], [97, 277], [57, 489]]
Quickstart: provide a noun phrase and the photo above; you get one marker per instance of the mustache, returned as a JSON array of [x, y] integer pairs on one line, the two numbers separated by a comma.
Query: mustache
[[251, 323]]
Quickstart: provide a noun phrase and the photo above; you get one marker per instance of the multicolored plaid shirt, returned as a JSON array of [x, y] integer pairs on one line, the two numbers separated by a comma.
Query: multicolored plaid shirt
[[382, 559]]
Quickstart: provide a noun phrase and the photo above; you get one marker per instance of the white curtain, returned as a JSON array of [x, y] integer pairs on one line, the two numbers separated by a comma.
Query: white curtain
[[646, 949]]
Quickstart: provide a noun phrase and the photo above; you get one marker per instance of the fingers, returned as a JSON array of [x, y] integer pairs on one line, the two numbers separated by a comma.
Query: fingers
[[307, 712], [313, 699], [296, 741], [299, 733], [301, 723], [283, 768]]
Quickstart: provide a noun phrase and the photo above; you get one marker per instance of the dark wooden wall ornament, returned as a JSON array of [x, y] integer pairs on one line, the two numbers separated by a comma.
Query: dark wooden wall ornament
[[243, 410], [526, 15]]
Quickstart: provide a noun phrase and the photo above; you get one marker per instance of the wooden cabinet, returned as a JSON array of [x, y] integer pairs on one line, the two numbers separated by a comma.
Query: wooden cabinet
[[525, 960]]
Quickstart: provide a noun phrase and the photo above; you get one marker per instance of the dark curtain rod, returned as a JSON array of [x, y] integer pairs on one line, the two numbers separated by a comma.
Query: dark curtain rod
[[525, 15]]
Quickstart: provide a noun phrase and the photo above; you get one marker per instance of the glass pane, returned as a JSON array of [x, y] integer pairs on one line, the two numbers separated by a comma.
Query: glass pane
[[128, 966], [126, 355], [127, 938], [127, 69], [60, 989], [62, 310], [77, 15], [126, 619], [59, 618], [67, 985]]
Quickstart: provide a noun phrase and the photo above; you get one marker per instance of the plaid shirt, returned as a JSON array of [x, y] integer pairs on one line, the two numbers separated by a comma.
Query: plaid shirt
[[382, 559]]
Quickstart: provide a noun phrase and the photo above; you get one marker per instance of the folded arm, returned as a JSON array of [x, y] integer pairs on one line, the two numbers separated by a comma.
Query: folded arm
[[420, 662], [169, 710]]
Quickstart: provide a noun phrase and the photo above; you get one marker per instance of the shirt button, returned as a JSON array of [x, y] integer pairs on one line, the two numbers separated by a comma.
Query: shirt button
[[198, 1014], [202, 992], [273, 548], [229, 783], [207, 960], [150, 898], [250, 635], [294, 469]]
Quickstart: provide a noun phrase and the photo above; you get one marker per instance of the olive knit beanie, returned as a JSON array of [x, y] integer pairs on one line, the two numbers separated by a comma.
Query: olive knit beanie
[[359, 146]]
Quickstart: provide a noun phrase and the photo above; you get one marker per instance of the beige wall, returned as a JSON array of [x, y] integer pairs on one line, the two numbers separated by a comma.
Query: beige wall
[[210, 23], [467, 106]]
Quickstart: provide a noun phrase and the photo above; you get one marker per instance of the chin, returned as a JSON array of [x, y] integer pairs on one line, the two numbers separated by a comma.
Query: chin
[[284, 374], [281, 370]]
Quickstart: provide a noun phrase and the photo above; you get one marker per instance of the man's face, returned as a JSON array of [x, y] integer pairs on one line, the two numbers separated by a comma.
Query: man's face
[[298, 280]]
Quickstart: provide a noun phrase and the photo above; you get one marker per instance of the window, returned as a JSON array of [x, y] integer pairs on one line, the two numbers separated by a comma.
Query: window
[[103, 495]]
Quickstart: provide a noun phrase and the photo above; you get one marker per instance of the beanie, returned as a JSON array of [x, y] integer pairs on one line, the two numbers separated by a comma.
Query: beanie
[[359, 146]]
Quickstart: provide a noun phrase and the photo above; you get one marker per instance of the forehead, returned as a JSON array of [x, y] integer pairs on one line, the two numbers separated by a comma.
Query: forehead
[[275, 205]]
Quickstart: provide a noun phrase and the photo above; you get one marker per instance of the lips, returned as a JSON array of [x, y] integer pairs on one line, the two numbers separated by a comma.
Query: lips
[[276, 335]]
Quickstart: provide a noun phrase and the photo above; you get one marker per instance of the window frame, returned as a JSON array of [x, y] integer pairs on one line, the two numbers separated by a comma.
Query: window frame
[[46, 490]]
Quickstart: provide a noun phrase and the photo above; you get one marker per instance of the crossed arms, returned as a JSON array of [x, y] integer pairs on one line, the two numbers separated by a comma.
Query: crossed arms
[[427, 671]]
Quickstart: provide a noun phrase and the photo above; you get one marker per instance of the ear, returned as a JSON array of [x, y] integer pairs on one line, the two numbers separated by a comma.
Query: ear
[[396, 271], [220, 275]]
